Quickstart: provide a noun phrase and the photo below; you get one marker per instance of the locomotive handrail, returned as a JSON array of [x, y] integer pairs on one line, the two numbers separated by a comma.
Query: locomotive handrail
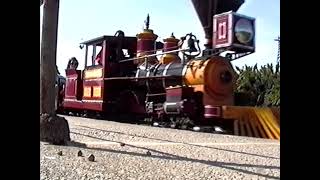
[[136, 78], [153, 55], [157, 94], [161, 49]]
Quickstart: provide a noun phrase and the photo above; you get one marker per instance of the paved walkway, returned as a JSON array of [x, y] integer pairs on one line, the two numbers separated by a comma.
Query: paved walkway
[[126, 151]]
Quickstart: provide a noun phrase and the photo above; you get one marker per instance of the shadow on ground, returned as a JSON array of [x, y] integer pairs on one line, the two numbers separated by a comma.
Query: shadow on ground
[[168, 156], [164, 140]]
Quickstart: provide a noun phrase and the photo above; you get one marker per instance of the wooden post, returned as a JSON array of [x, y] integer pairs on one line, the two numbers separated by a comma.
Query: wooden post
[[48, 70]]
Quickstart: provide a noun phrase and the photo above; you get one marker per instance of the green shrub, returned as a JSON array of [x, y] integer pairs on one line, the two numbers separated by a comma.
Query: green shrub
[[258, 87]]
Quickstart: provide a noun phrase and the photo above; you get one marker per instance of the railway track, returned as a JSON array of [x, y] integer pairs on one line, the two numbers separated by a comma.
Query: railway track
[[247, 121]]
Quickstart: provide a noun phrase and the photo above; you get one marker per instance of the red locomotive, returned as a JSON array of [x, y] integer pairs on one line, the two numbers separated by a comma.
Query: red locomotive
[[122, 75]]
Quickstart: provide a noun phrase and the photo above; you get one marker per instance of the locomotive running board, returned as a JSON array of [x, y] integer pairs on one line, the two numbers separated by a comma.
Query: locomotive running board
[[253, 121]]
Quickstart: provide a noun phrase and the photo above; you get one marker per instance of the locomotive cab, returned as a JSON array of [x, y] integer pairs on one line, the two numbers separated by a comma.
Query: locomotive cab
[[105, 53], [85, 90]]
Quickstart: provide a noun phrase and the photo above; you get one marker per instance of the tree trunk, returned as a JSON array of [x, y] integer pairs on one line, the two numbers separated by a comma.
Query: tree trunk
[[48, 71], [53, 129]]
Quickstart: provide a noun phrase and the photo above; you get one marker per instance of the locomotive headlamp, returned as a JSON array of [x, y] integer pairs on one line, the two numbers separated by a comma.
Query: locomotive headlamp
[[244, 31], [234, 32]]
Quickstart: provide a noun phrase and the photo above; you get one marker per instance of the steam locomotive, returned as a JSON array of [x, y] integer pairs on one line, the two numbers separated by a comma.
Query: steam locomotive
[[124, 76]]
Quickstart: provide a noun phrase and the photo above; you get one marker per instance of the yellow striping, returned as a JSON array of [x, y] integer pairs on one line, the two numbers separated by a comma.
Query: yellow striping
[[264, 124], [253, 121], [262, 128], [268, 117], [276, 113], [273, 120], [270, 122]]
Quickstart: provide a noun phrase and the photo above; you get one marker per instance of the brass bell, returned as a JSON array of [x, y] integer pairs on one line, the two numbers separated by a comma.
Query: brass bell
[[191, 45]]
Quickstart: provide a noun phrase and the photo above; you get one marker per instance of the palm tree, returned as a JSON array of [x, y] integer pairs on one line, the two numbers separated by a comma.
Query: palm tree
[[278, 56], [258, 87]]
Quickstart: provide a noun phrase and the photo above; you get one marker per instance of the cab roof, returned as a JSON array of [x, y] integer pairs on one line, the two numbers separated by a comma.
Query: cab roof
[[99, 40]]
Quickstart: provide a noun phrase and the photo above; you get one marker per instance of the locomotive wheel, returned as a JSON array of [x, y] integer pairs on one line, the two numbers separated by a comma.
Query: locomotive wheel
[[173, 125], [155, 124], [148, 120], [84, 115], [184, 127], [184, 122], [99, 115]]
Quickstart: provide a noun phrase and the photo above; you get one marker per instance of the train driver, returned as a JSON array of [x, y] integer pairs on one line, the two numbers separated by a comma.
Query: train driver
[[99, 58], [72, 63]]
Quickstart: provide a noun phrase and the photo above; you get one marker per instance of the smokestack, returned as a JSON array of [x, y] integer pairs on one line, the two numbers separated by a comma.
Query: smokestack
[[206, 9]]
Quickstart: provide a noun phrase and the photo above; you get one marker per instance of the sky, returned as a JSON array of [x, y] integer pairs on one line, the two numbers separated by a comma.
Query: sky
[[81, 20]]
